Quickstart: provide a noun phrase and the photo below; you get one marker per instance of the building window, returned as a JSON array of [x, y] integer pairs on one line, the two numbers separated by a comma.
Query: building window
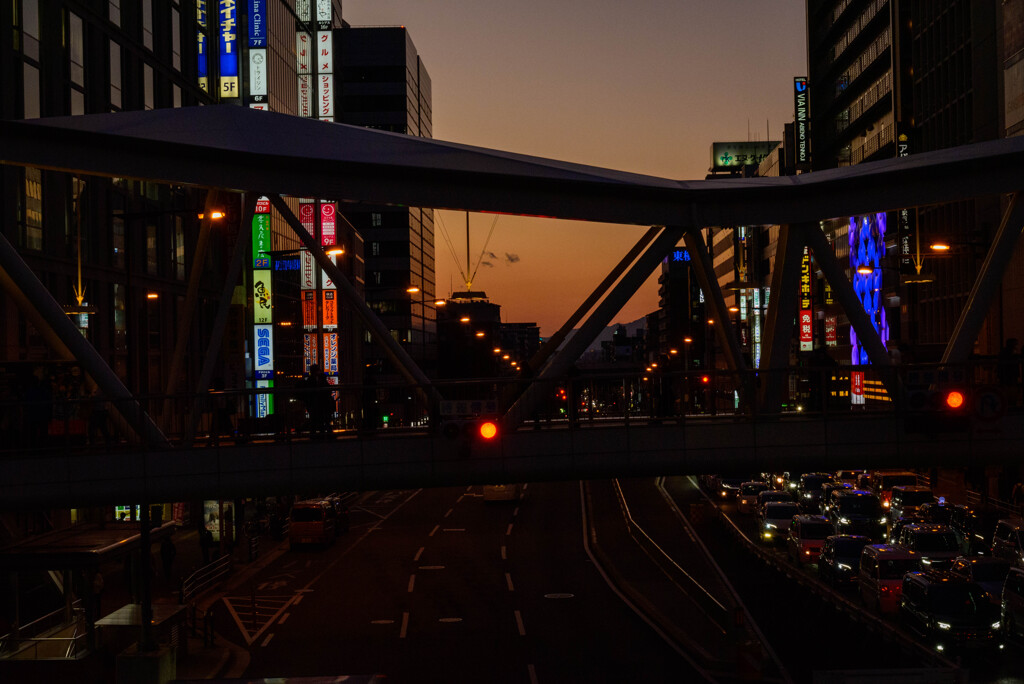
[[147, 85], [179, 248], [152, 266], [375, 220], [117, 240], [374, 249], [176, 38], [176, 95], [115, 76], [31, 83], [30, 28], [147, 23], [114, 12], [76, 50], [120, 319], [33, 237]]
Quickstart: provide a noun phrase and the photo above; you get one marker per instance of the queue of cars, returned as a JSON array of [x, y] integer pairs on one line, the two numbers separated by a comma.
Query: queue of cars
[[954, 574]]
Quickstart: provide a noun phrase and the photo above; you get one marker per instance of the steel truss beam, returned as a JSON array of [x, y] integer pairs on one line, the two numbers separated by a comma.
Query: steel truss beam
[[782, 308], [985, 285]]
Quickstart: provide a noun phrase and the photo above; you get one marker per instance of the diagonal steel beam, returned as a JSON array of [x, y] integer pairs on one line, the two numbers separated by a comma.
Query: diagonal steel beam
[[31, 289], [782, 308], [560, 362], [842, 289], [213, 345], [985, 285], [705, 271], [403, 363]]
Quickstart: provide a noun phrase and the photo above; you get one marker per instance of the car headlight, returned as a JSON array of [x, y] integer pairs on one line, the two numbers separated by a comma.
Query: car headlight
[[927, 561], [792, 485], [844, 521], [997, 624], [942, 625], [844, 566], [882, 521], [767, 534], [807, 496]]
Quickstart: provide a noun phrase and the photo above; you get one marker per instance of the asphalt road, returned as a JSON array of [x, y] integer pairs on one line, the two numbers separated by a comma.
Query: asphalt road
[[439, 586]]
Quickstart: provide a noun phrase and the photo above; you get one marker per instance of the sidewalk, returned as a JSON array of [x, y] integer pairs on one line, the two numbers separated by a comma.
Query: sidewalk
[[223, 659]]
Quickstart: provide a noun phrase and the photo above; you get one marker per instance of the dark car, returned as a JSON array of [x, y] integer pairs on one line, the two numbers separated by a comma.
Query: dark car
[[974, 527], [906, 500], [829, 492], [939, 512], [897, 527], [858, 512], [1013, 604], [809, 491], [774, 519], [807, 534], [947, 611], [839, 561], [1008, 540], [746, 501], [729, 487], [988, 573], [936, 543]]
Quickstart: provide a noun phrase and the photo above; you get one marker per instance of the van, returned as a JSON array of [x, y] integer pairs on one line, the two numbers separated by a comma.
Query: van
[[906, 500], [883, 481], [807, 534], [1008, 540], [314, 521], [1012, 612], [880, 577], [948, 611]]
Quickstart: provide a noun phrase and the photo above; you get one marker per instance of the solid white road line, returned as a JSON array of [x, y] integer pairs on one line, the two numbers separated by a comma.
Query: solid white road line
[[412, 581], [405, 626], [519, 624], [434, 531], [416, 558], [508, 581]]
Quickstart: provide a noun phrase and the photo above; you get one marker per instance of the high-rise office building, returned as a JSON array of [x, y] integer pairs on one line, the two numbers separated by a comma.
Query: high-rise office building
[[890, 78], [384, 84]]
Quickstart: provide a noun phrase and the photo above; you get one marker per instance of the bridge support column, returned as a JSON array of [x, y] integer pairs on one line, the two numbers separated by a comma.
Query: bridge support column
[[782, 308]]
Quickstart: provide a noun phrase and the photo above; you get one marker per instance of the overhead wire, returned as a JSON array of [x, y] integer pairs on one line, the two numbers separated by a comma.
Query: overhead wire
[[484, 250]]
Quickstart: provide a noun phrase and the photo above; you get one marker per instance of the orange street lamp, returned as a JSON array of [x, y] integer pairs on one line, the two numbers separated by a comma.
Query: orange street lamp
[[152, 295], [865, 270], [464, 319], [412, 290], [337, 251], [940, 246]]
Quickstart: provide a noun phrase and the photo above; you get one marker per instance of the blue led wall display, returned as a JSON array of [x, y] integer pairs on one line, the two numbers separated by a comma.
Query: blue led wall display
[[867, 248], [201, 28], [228, 11]]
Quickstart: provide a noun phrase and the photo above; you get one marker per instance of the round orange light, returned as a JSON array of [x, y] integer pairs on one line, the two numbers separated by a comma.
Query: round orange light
[[488, 429], [954, 399]]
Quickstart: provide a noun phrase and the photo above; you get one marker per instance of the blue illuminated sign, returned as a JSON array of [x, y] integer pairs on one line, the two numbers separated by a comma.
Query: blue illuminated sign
[[681, 255], [201, 66], [867, 247], [228, 11], [257, 23], [287, 264]]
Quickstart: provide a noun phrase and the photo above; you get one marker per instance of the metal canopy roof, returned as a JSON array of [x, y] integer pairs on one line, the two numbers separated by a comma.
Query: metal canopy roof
[[78, 546], [241, 149]]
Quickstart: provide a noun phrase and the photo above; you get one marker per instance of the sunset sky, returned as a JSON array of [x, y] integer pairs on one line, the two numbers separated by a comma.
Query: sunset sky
[[644, 87]]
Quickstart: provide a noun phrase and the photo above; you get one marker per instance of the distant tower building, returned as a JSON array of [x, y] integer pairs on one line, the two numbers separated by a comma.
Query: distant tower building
[[384, 85]]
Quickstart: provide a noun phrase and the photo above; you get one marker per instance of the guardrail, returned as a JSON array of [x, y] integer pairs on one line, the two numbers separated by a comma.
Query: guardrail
[[50, 621], [662, 392], [203, 578]]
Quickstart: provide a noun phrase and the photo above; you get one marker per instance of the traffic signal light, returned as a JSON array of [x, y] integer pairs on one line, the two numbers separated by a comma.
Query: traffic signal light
[[938, 410], [465, 432]]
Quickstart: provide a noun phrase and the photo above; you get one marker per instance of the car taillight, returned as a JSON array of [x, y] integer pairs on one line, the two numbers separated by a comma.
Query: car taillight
[[887, 590]]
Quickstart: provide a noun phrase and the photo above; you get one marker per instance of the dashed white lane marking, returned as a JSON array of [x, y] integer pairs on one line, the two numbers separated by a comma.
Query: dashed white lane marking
[[283, 618], [515, 512], [508, 531], [451, 619], [525, 486], [382, 622], [508, 581], [412, 581], [454, 529], [519, 624], [469, 488], [416, 558], [533, 673], [267, 640], [298, 600], [405, 626], [504, 553], [431, 567], [558, 596], [434, 531], [450, 511], [459, 500]]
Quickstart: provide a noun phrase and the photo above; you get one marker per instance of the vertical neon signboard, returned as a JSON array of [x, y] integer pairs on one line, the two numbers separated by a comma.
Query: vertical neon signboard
[[263, 331], [228, 11], [257, 23], [867, 247], [202, 67], [806, 304]]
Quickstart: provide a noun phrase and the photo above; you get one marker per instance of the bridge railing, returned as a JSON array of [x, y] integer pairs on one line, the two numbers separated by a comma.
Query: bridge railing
[[51, 421]]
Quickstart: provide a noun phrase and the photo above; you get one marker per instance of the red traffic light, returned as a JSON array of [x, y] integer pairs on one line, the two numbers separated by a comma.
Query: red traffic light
[[705, 379], [955, 399], [488, 429]]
